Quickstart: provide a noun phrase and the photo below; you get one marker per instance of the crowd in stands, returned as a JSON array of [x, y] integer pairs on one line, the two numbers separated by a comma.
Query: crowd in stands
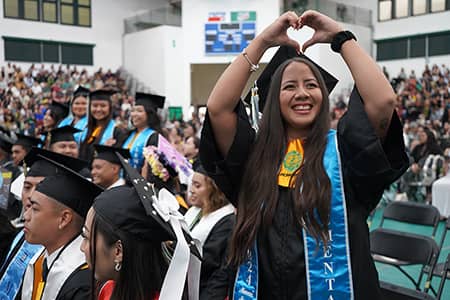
[[423, 106]]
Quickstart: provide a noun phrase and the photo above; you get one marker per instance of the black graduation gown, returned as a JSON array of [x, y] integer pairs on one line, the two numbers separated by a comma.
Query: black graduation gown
[[214, 250], [87, 150], [368, 166], [78, 286]]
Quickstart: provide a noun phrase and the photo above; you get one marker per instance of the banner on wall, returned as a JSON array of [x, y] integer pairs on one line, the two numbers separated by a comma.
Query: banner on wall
[[229, 35]]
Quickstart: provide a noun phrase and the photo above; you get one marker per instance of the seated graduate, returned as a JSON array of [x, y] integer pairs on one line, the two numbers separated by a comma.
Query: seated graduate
[[147, 126], [106, 167], [78, 108], [101, 128], [20, 251], [20, 148], [61, 140], [9, 171], [123, 233], [210, 219], [55, 113], [59, 205]]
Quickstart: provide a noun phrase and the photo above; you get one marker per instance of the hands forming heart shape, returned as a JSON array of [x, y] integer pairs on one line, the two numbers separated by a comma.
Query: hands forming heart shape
[[324, 27]]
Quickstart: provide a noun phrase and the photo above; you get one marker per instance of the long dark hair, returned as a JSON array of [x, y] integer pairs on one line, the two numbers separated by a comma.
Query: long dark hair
[[92, 123], [143, 266], [153, 120], [312, 193]]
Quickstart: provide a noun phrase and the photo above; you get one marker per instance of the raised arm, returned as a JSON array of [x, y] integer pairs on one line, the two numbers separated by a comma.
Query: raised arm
[[228, 89], [377, 93]]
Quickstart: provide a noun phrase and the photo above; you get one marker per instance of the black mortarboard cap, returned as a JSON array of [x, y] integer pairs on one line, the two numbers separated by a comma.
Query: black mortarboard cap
[[69, 188], [60, 134], [200, 169], [149, 100], [130, 209], [5, 130], [81, 91], [284, 53], [61, 110], [108, 153], [27, 141], [41, 167], [5, 142], [101, 94]]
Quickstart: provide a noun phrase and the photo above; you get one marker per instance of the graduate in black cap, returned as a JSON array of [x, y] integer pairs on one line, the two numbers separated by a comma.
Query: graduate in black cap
[[78, 108], [101, 128], [147, 126], [130, 223], [21, 252], [55, 113], [22, 146], [294, 217], [59, 205], [62, 140], [106, 167], [211, 220]]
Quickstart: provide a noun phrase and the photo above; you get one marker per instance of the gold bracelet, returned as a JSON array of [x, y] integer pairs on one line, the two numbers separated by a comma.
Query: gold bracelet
[[253, 67]]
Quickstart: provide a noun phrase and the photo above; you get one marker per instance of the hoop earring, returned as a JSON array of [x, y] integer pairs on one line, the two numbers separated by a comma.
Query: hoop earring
[[117, 266]]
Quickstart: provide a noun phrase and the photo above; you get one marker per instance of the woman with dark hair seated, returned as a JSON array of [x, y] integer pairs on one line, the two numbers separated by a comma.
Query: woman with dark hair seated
[[210, 219], [101, 128], [147, 126], [122, 242]]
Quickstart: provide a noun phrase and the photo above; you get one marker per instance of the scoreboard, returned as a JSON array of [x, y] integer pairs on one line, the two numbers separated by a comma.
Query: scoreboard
[[228, 38]]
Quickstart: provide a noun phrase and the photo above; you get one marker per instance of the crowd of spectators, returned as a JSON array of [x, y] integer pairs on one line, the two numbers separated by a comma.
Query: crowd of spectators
[[423, 105]]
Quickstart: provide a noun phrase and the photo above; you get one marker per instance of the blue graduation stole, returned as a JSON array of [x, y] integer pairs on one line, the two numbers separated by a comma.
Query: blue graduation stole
[[328, 271], [108, 133], [136, 146], [81, 124], [13, 276], [67, 121]]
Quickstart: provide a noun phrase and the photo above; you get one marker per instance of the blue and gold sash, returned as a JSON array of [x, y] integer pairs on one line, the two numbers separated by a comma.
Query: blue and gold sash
[[136, 146], [12, 278], [328, 273], [108, 133]]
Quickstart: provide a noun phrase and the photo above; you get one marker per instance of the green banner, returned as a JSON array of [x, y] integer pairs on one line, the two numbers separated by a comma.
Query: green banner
[[243, 16]]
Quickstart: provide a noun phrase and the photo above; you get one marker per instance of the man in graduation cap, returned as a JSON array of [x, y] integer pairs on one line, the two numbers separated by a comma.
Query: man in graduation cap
[[106, 167], [61, 140], [22, 146], [147, 126], [58, 207], [9, 172], [21, 252], [78, 107]]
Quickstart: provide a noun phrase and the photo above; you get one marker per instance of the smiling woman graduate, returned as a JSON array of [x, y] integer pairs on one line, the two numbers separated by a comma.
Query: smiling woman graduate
[[302, 191]]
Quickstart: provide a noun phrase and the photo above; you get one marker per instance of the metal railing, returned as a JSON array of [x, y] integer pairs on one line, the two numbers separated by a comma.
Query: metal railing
[[170, 15], [339, 11]]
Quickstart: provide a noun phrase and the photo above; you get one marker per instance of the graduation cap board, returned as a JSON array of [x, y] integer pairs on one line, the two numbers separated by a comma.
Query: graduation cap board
[[61, 110], [101, 94], [69, 188], [284, 53], [62, 134], [41, 167], [5, 143], [139, 211], [108, 153], [81, 91], [149, 100], [27, 141]]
